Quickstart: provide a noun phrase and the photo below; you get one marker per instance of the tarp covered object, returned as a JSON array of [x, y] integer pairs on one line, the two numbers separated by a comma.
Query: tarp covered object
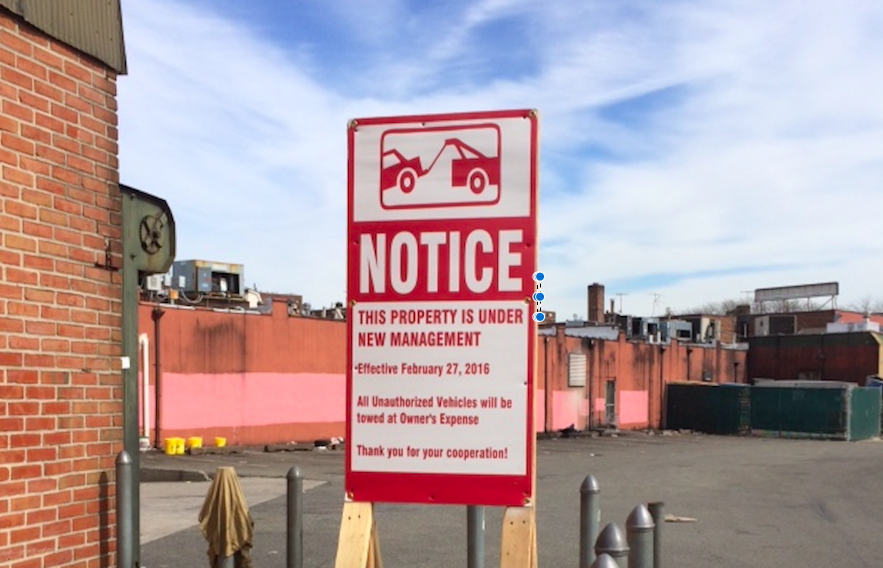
[[225, 521]]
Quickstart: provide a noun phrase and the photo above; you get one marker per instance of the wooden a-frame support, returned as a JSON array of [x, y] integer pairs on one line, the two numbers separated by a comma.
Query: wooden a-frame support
[[359, 546], [518, 547]]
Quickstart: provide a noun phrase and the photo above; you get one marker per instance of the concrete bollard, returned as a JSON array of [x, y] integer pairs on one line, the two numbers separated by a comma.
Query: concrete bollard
[[124, 511], [611, 541], [589, 520], [639, 533], [657, 511], [294, 549], [604, 561]]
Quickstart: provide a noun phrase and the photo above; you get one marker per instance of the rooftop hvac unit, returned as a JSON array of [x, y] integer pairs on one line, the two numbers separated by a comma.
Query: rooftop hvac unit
[[209, 277], [154, 282]]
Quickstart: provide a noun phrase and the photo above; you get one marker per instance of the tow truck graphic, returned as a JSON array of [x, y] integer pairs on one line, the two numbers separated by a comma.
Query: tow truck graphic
[[463, 170]]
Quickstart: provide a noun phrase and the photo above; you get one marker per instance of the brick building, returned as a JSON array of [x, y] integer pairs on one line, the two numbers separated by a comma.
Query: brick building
[[595, 376], [848, 357], [60, 285], [804, 322]]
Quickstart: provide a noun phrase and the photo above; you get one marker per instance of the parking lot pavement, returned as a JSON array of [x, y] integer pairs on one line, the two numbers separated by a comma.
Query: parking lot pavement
[[757, 503], [169, 507]]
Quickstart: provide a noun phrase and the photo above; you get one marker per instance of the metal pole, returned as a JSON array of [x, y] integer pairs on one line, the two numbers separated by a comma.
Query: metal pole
[[589, 520], [604, 561], [474, 536], [155, 315], [131, 443], [295, 541], [546, 385], [125, 533], [611, 541], [228, 561], [657, 511], [639, 533]]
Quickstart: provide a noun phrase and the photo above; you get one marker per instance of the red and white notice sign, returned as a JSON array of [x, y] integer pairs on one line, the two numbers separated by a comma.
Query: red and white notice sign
[[442, 251]]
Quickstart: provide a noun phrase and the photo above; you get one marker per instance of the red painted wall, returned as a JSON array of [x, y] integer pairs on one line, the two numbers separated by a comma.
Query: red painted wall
[[249, 378], [258, 379]]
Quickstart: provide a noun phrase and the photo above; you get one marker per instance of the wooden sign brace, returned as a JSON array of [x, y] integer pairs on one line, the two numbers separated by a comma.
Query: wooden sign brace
[[518, 547], [359, 546]]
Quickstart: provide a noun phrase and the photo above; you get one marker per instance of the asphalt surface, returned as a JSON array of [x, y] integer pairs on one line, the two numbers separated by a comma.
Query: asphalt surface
[[757, 503]]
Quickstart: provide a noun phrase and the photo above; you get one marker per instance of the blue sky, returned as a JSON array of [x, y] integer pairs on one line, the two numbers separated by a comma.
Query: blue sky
[[690, 151]]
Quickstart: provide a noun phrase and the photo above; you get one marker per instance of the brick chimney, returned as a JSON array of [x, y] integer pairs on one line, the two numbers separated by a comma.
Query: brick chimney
[[596, 303]]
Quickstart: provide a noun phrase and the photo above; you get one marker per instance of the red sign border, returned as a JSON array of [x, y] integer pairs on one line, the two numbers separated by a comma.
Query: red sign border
[[439, 488]]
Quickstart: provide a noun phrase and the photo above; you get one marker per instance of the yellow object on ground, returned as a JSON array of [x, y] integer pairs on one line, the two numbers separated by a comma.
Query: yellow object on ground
[[174, 446], [194, 442], [225, 521], [220, 442]]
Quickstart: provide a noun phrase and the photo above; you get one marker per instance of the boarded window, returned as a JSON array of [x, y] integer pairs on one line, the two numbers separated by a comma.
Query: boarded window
[[576, 370]]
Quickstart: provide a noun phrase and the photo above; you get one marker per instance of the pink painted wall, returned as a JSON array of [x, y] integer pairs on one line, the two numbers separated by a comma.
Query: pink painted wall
[[539, 409], [632, 408], [568, 408], [235, 401], [252, 399]]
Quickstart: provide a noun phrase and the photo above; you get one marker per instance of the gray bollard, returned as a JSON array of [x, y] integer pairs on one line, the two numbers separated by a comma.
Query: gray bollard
[[294, 549], [604, 561], [124, 512], [657, 511], [474, 536], [611, 541], [227, 562], [589, 520], [639, 533]]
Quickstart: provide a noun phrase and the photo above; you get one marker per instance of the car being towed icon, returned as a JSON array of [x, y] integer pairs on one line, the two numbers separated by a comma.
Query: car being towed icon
[[401, 172], [470, 168]]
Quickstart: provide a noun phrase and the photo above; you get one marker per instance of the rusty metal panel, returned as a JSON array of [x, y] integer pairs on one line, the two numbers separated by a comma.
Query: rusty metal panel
[[94, 27]]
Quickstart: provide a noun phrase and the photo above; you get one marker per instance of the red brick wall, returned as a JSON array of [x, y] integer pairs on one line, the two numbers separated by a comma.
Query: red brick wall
[[60, 315], [728, 329]]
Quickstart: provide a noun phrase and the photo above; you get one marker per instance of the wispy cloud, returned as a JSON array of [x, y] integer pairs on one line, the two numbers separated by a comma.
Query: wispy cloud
[[684, 139]]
